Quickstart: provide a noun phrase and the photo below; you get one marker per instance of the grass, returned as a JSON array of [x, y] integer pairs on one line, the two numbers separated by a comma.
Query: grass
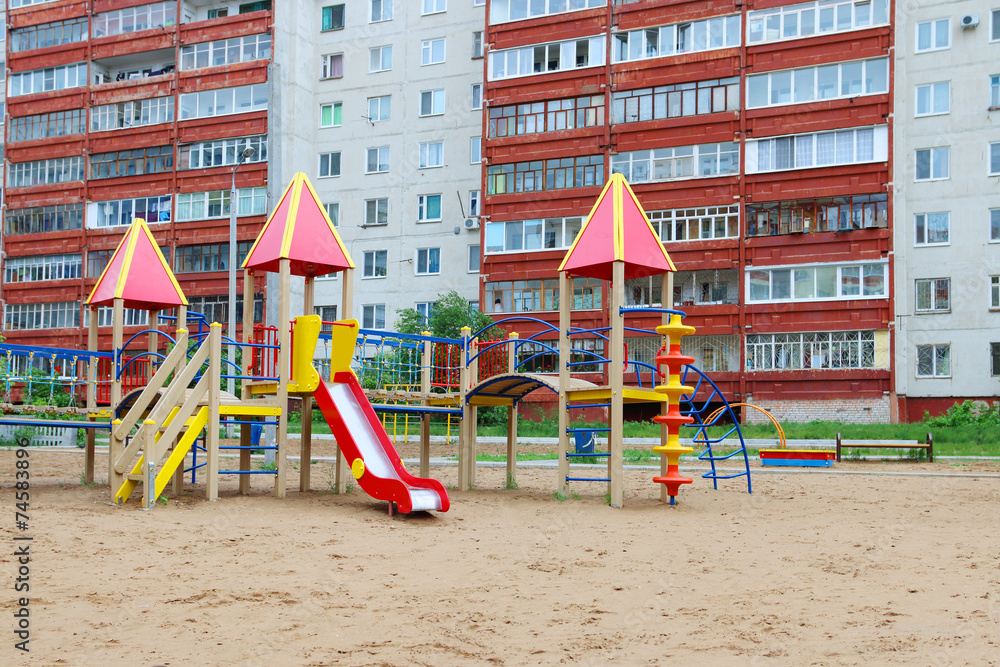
[[511, 483]]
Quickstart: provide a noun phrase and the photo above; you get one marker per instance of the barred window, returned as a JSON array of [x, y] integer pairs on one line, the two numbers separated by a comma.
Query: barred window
[[680, 162], [693, 224], [37, 220], [155, 160], [799, 351], [45, 172], [58, 315], [933, 295], [549, 116], [136, 113], [208, 257], [215, 204], [43, 126], [133, 19], [42, 267], [553, 174], [121, 212], [226, 52], [48, 79], [933, 361], [682, 99], [224, 101], [48, 34], [827, 214], [221, 153]]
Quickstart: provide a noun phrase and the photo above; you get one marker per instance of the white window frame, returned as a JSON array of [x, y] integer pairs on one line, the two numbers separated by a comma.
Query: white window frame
[[933, 158], [476, 93], [333, 212], [479, 259], [383, 103], [922, 220], [683, 162], [772, 19], [427, 51], [811, 148], [249, 201], [426, 254], [993, 158], [426, 310], [477, 44], [333, 114], [840, 268], [186, 113], [994, 226], [475, 150], [994, 292], [995, 25], [428, 7], [793, 74], [676, 39], [933, 93], [383, 53], [375, 203], [375, 311], [423, 202], [546, 9], [994, 91], [935, 25], [373, 264], [437, 102], [934, 361], [930, 285], [381, 155], [474, 198], [520, 60], [326, 69], [425, 154], [329, 156], [385, 11]]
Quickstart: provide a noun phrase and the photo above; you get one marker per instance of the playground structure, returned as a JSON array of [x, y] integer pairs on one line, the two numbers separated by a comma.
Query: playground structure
[[177, 411]]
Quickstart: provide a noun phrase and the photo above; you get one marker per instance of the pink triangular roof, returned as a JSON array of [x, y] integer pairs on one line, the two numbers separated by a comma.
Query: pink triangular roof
[[138, 274], [300, 231], [617, 229]]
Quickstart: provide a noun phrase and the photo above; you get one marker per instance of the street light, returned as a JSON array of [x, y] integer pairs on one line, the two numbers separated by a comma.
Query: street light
[[233, 203]]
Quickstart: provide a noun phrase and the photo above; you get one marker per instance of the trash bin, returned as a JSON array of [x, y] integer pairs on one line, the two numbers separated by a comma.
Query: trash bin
[[584, 442], [256, 429]]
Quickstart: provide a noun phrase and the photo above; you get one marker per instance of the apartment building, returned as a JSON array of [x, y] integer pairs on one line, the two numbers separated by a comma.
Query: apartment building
[[127, 109], [756, 136], [394, 111], [947, 185]]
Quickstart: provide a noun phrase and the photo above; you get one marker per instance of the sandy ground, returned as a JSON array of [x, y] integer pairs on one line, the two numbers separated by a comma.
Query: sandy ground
[[809, 570]]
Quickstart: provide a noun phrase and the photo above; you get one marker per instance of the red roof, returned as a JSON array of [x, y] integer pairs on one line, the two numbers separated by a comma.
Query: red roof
[[617, 229], [299, 230], [138, 274]]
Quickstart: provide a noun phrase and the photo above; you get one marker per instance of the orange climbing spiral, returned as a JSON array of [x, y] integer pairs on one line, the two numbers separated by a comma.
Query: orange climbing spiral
[[673, 360]]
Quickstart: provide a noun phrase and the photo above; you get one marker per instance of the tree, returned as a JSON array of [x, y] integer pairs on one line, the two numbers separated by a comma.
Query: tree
[[451, 312]]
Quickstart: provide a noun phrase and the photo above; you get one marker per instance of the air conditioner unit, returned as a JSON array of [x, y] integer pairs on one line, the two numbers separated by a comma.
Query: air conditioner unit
[[970, 20], [471, 223]]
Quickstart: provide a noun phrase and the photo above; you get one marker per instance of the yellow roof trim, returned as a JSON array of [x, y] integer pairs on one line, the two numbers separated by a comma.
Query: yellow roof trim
[[163, 261], [126, 263], [293, 211], [329, 223], [652, 229], [266, 224]]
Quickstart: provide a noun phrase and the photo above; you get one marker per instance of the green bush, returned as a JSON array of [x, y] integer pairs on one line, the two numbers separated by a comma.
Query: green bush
[[966, 413]]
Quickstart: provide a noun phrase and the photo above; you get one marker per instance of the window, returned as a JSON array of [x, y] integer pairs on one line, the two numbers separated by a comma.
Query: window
[[42, 267], [377, 160], [326, 314], [815, 18], [331, 115], [219, 13], [221, 152], [663, 164], [428, 261], [538, 295], [45, 80], [121, 212], [932, 164], [208, 257], [43, 126], [933, 295], [48, 34], [995, 25], [373, 314], [137, 113], [995, 224], [934, 99], [931, 228], [433, 6], [822, 149], [473, 266], [216, 308], [154, 160], [476, 97], [826, 82], [541, 58], [333, 212], [134, 19], [507, 10], [45, 172], [994, 291], [375, 263], [828, 214], [550, 116], [559, 173], [378, 108], [432, 102], [995, 91], [709, 222], [933, 35], [333, 66], [800, 351], [540, 234], [995, 159], [933, 361], [215, 204], [683, 99], [329, 164], [425, 309], [376, 212], [380, 59], [333, 17], [262, 5], [96, 261], [381, 10], [994, 358], [59, 315], [224, 101], [40, 219], [477, 44], [476, 150], [429, 208], [691, 37], [474, 204], [432, 51], [431, 154], [816, 282], [226, 52]]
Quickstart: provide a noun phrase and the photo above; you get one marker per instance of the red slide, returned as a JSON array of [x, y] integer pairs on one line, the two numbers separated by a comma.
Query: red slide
[[369, 451]]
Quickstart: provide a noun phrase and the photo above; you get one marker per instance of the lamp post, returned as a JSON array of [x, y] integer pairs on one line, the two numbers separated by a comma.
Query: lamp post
[[233, 204]]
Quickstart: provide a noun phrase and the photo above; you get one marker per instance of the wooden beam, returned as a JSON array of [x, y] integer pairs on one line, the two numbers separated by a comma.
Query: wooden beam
[[512, 413], [116, 445], [90, 454], [463, 431], [214, 394], [284, 343], [565, 301], [616, 374], [305, 439]]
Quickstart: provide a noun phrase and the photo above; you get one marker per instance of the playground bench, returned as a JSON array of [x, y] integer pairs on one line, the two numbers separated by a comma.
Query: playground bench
[[887, 444]]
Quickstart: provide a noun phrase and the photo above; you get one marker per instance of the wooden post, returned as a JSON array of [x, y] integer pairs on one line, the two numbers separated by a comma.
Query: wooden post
[[667, 301], [245, 363], [305, 439], [177, 484], [212, 428], [284, 343], [426, 359], [89, 456], [148, 436], [151, 343], [617, 377], [116, 445], [463, 390], [347, 310], [473, 416], [565, 303], [512, 413]]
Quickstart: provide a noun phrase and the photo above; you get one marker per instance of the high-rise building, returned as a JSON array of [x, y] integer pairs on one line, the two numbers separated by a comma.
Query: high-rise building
[[947, 232], [757, 140]]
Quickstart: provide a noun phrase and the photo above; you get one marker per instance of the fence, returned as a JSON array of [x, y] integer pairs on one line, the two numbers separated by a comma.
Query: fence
[[51, 436]]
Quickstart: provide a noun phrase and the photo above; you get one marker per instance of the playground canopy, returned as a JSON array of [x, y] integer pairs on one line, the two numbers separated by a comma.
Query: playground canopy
[[617, 229], [300, 231], [138, 274]]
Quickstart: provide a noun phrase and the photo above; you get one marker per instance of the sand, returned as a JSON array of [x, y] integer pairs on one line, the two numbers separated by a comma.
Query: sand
[[809, 570]]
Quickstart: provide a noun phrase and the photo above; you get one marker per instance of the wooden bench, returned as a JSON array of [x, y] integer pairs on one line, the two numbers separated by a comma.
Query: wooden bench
[[888, 444]]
